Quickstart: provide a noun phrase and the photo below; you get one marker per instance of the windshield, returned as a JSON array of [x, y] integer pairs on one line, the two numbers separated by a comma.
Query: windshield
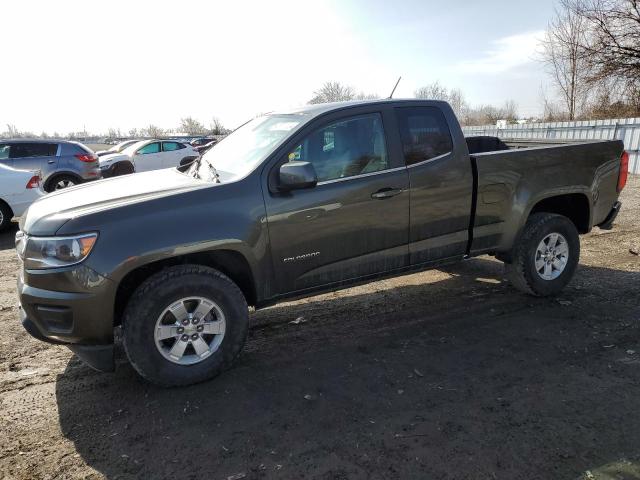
[[245, 148], [121, 146]]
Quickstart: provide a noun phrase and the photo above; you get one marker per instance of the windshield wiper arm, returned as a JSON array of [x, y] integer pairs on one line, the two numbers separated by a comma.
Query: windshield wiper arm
[[214, 173]]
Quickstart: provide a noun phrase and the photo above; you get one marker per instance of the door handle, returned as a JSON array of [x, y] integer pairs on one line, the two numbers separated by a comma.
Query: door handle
[[51, 161], [386, 193]]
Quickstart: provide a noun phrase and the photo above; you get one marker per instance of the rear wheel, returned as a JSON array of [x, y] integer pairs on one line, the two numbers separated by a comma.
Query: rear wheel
[[60, 182], [545, 257], [184, 325], [5, 216]]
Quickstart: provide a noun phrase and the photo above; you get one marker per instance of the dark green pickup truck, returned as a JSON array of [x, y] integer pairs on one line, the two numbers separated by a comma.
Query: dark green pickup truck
[[291, 204]]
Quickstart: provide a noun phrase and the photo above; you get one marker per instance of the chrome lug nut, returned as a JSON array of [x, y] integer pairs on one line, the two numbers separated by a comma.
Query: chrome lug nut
[[185, 321], [194, 336], [184, 337], [180, 329], [200, 328], [195, 321]]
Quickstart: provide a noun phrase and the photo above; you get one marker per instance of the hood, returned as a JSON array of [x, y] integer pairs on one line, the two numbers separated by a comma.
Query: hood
[[110, 157], [48, 214]]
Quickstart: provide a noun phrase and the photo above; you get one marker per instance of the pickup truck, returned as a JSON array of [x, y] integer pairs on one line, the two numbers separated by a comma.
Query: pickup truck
[[292, 204]]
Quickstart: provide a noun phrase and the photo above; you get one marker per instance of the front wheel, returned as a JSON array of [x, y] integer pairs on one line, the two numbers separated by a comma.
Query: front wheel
[[184, 325], [546, 255]]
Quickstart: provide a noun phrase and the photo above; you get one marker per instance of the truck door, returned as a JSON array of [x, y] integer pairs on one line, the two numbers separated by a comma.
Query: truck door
[[355, 221], [441, 184]]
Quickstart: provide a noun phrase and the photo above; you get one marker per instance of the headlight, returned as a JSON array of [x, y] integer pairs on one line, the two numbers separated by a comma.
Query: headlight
[[51, 252]]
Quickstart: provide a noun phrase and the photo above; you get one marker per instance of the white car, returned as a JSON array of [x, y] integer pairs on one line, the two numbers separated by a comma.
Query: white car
[[18, 190], [117, 148], [147, 155]]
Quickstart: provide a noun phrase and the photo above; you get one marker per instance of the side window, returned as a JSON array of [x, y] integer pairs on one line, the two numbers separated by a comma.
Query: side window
[[151, 148], [171, 146], [29, 150], [4, 151], [346, 148], [424, 133]]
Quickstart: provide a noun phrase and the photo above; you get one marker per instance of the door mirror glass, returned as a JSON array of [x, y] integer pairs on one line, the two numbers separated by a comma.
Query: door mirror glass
[[297, 175]]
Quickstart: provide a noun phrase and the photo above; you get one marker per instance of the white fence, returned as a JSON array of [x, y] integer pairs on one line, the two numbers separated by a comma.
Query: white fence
[[625, 129]]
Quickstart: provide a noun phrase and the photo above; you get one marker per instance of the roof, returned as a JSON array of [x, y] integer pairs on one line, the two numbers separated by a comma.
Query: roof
[[320, 108], [36, 140]]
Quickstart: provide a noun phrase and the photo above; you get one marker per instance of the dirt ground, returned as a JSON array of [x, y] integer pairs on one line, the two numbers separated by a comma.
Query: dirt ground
[[444, 374]]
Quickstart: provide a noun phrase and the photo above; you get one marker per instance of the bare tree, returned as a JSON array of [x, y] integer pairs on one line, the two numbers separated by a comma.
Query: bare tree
[[613, 45], [333, 92], [191, 126], [133, 132], [433, 91], [216, 127], [565, 57], [366, 96], [12, 131], [151, 131]]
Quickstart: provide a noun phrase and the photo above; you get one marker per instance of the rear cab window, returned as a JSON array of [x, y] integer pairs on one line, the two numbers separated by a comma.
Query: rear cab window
[[424, 133]]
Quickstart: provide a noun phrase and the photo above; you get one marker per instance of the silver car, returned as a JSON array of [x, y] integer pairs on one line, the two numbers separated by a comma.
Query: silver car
[[61, 163]]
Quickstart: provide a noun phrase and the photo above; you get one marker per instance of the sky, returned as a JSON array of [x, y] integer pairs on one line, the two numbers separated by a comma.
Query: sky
[[74, 65]]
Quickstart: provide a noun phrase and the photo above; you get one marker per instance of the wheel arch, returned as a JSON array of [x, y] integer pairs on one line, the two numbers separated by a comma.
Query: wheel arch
[[6, 204], [61, 173], [125, 164], [231, 263], [575, 206]]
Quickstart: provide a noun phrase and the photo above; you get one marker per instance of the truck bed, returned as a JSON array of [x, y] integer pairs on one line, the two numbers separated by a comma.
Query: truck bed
[[509, 171]]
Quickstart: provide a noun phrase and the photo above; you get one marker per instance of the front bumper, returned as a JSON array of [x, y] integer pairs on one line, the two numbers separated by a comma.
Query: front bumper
[[72, 306]]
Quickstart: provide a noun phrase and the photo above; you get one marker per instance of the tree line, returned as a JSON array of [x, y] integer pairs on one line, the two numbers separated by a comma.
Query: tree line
[[467, 115], [188, 126]]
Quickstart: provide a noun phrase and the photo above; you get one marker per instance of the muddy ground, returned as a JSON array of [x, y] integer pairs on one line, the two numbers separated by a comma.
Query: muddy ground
[[444, 374]]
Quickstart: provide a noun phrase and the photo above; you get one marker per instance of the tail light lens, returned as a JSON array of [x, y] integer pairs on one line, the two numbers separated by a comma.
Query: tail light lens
[[624, 171], [34, 182], [87, 157]]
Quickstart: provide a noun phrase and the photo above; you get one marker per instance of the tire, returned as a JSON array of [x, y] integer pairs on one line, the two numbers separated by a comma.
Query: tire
[[526, 256], [6, 214], [144, 316], [122, 169], [60, 182]]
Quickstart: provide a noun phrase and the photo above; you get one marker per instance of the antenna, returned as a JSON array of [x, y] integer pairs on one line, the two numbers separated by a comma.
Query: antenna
[[394, 88]]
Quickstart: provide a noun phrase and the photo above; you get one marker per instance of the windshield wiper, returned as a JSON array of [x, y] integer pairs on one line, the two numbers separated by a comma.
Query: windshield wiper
[[214, 172]]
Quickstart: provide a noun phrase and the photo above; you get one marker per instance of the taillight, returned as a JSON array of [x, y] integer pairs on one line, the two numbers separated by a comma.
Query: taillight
[[87, 157], [624, 171], [34, 182]]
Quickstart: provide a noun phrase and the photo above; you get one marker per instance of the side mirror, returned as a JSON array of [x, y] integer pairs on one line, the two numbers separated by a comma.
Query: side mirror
[[296, 176]]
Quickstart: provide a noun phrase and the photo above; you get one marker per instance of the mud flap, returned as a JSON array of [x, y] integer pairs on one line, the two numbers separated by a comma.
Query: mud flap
[[98, 357]]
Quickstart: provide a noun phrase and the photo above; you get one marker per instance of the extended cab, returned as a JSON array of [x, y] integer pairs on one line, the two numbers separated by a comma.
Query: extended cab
[[291, 204]]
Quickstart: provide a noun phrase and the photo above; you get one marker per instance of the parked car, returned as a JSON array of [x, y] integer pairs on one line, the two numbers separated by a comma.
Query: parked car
[[202, 149], [198, 142], [147, 155], [18, 190], [62, 163], [292, 204], [117, 148]]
